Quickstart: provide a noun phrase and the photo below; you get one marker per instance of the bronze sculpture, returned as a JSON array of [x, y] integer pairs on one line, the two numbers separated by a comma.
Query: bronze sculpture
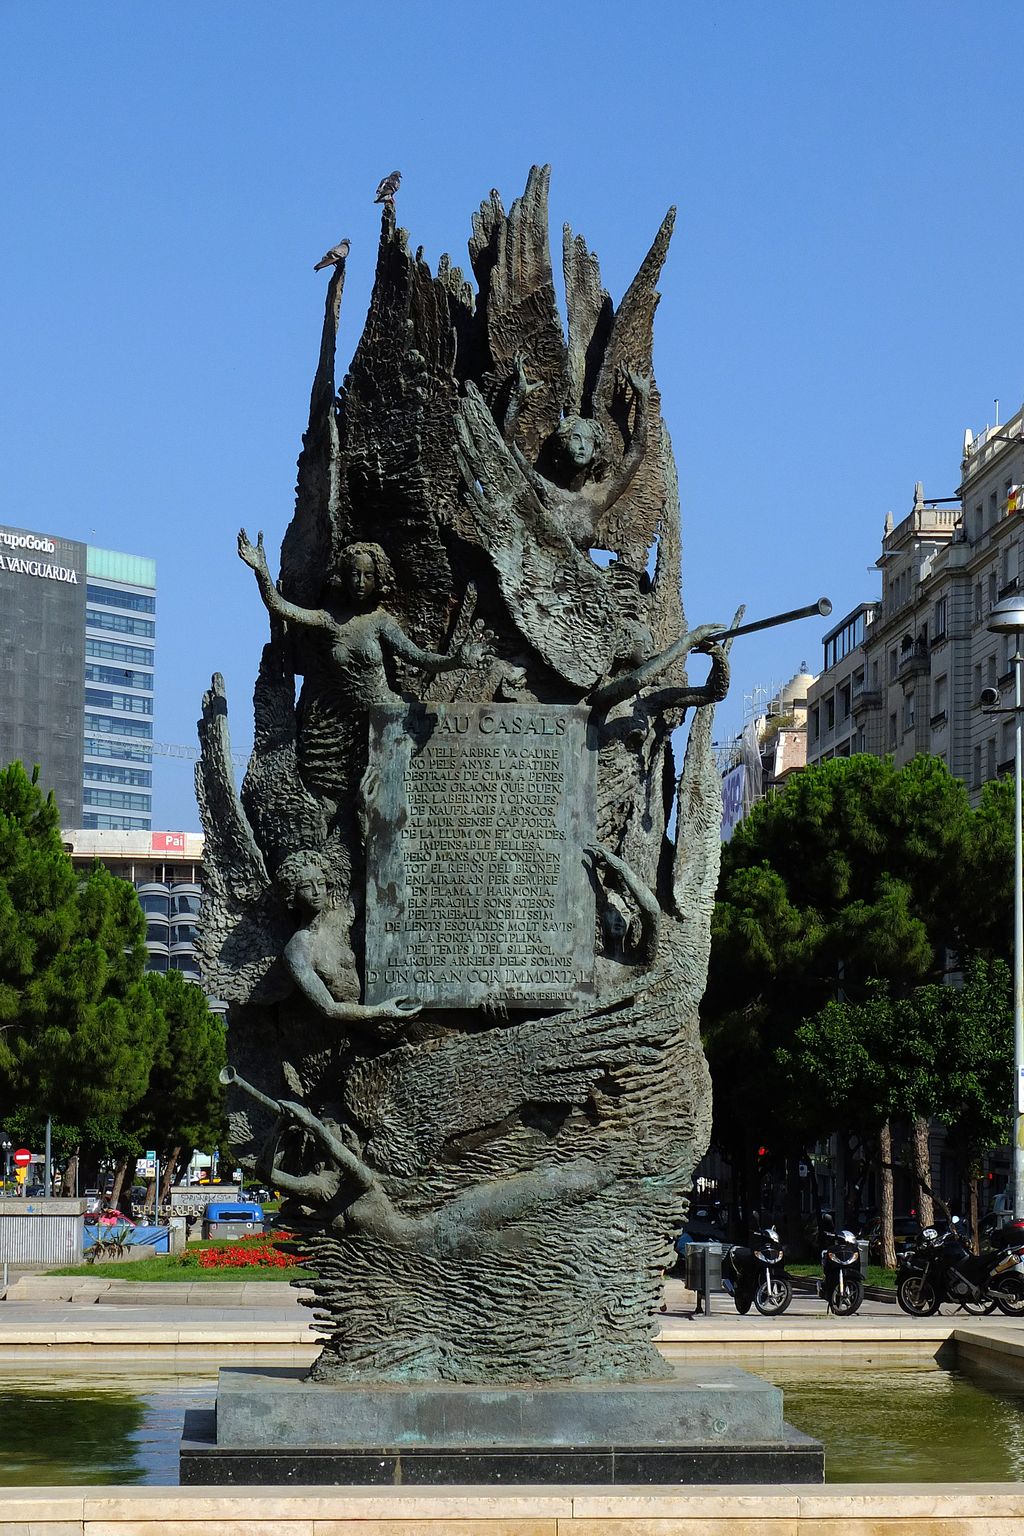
[[487, 1192]]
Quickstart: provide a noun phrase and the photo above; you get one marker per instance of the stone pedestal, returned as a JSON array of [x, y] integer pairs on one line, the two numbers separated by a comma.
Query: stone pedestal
[[707, 1423]]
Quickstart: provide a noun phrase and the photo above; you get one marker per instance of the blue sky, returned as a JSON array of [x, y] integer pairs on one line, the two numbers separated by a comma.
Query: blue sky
[[838, 305]]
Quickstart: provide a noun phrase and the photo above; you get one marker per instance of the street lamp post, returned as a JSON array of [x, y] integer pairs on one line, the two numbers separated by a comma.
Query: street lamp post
[[1007, 618]]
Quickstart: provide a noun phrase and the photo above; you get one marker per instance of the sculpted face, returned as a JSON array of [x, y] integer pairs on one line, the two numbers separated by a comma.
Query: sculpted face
[[310, 888], [577, 438], [361, 578]]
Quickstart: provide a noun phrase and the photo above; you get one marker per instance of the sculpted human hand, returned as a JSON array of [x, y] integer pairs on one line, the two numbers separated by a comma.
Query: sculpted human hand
[[523, 386], [477, 648], [704, 636], [394, 1008], [639, 383], [253, 555]]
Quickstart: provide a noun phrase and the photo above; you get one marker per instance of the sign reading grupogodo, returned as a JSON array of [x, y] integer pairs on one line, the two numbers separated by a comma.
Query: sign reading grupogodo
[[11, 541]]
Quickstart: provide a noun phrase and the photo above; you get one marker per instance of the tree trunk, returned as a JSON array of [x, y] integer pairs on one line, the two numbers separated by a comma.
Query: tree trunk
[[885, 1202], [167, 1177], [972, 1209], [120, 1174], [923, 1171]]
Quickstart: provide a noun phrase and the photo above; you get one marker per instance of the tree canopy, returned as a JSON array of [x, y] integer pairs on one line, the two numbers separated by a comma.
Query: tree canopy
[[85, 1036], [841, 903]]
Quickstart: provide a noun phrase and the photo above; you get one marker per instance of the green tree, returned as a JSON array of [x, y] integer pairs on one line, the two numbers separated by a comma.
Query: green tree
[[852, 876], [183, 1107], [79, 1029]]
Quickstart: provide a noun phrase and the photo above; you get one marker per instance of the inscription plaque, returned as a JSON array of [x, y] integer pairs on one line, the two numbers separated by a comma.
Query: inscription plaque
[[477, 889]]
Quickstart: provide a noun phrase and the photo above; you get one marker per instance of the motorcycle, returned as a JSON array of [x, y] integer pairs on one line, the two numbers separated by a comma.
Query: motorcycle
[[841, 1284], [757, 1276], [942, 1268]]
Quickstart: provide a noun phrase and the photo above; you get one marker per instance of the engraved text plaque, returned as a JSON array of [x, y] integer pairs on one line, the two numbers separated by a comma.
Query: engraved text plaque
[[476, 888]]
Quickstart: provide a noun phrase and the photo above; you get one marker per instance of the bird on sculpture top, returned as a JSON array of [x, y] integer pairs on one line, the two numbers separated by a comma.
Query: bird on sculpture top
[[385, 193], [334, 256]]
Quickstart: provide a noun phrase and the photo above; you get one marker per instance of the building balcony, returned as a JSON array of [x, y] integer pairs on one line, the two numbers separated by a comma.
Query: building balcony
[[938, 720], [915, 663], [1011, 586], [865, 699]]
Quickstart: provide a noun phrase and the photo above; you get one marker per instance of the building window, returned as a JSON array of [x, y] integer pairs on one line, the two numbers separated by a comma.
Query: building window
[[134, 602], [96, 747], [105, 773], [116, 799], [815, 724], [939, 619], [976, 780], [979, 601], [111, 726], [119, 677], [114, 650], [120, 623], [990, 758], [894, 662], [128, 703], [830, 713], [977, 684], [939, 696], [908, 712], [992, 587], [990, 670], [874, 674], [96, 821], [993, 508], [892, 731]]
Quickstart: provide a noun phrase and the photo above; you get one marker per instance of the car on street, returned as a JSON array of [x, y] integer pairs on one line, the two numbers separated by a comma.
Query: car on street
[[905, 1229]]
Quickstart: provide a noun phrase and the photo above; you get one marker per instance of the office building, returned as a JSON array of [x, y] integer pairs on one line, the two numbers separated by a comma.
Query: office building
[[77, 639]]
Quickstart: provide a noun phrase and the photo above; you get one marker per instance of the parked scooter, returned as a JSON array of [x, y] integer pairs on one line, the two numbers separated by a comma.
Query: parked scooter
[[942, 1268], [757, 1276], [841, 1283]]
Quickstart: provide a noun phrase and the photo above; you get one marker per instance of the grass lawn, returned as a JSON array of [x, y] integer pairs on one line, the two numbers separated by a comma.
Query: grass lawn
[[169, 1267], [876, 1275]]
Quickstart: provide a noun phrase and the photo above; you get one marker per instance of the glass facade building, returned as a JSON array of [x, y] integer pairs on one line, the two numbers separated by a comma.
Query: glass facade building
[[77, 644]]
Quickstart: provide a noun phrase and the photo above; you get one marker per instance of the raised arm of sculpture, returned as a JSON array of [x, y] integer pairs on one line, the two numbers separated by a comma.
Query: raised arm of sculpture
[[255, 556], [626, 685]]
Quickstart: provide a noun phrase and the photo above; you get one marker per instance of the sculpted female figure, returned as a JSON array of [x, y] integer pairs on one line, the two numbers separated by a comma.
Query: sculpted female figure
[[361, 633], [318, 955]]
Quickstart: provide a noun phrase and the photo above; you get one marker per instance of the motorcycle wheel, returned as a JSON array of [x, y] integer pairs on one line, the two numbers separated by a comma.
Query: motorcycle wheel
[[1008, 1291], [983, 1307], [917, 1295], [773, 1296], [744, 1301], [845, 1302]]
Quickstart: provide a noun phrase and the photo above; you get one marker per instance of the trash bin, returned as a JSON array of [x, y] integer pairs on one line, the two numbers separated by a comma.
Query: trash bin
[[704, 1269], [862, 1248]]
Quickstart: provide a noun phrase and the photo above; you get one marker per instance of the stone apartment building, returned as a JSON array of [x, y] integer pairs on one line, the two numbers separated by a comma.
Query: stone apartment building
[[904, 674]]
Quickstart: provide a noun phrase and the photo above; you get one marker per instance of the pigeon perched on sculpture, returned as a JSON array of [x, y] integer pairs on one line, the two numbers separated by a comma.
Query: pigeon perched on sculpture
[[385, 193], [334, 256]]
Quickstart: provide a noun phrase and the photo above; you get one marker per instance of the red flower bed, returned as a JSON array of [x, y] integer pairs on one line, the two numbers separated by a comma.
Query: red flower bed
[[255, 1251], [246, 1254]]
